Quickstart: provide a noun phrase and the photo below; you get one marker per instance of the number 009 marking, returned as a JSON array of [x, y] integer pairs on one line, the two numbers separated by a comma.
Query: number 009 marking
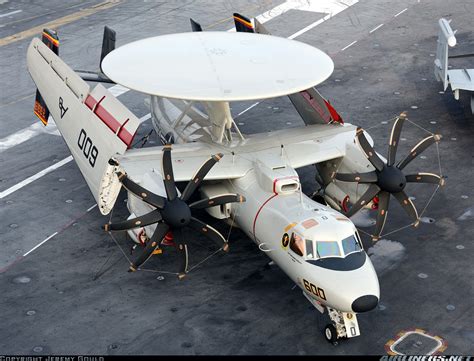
[[88, 149]]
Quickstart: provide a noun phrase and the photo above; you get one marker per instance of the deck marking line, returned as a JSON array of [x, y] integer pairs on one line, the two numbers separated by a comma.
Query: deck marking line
[[39, 244], [11, 13], [58, 22], [34, 177], [377, 27], [347, 46], [400, 13]]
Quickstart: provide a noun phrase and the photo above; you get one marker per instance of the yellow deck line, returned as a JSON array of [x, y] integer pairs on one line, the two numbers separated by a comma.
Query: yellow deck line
[[59, 22]]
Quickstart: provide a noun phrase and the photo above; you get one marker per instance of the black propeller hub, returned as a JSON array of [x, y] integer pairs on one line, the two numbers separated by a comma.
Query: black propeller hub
[[176, 213], [391, 179]]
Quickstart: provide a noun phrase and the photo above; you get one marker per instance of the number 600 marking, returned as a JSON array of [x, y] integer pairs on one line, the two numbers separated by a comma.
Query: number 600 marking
[[88, 149]]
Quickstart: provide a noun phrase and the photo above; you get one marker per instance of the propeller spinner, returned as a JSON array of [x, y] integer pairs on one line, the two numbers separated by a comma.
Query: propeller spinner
[[387, 178], [173, 212]]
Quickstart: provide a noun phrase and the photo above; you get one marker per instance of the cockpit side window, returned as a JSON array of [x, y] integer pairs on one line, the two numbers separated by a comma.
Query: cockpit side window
[[297, 244], [309, 249], [350, 245], [327, 249]]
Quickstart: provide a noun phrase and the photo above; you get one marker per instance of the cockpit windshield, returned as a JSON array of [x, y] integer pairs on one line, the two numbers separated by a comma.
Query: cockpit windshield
[[350, 245], [327, 249], [310, 249]]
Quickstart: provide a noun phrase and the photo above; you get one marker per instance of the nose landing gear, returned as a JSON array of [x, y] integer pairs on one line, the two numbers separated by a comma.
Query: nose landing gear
[[344, 325]]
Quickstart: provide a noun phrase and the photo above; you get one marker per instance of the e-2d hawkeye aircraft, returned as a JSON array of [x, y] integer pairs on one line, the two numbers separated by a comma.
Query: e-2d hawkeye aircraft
[[191, 79]]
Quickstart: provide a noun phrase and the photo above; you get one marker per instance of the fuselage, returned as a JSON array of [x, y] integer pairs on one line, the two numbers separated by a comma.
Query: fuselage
[[316, 246]]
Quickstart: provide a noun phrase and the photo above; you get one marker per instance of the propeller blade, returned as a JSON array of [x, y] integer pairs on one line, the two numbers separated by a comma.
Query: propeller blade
[[425, 178], [168, 176], [370, 177], [394, 138], [199, 176], [418, 149], [142, 193], [142, 221], [407, 205], [384, 199], [183, 260], [369, 194], [182, 249], [368, 150], [152, 244], [209, 232], [217, 201]]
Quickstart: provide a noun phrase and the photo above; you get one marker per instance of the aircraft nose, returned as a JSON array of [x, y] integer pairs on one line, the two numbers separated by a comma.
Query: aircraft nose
[[365, 303]]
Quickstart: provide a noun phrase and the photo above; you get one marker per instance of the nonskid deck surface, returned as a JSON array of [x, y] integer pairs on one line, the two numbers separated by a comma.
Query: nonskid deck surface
[[72, 293]]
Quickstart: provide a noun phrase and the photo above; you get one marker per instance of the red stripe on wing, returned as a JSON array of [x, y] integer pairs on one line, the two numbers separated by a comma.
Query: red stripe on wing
[[109, 120]]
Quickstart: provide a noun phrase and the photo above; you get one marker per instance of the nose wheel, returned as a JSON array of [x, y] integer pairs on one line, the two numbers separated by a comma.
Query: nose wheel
[[330, 333], [343, 325]]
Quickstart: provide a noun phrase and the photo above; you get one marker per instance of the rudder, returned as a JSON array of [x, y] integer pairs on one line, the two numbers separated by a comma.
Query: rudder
[[51, 39]]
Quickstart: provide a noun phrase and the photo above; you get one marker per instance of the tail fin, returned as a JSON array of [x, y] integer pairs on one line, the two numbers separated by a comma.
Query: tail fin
[[195, 25], [95, 125], [445, 38], [243, 24], [313, 108], [50, 38], [108, 43], [309, 103]]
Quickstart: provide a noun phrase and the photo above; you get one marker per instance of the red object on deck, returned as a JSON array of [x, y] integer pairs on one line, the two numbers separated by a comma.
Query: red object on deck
[[168, 240], [375, 203]]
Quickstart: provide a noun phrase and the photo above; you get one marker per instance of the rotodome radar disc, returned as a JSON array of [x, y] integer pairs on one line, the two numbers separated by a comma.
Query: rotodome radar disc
[[217, 66]]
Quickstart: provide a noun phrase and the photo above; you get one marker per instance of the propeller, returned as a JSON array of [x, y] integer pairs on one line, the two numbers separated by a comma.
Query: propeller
[[388, 178], [173, 213]]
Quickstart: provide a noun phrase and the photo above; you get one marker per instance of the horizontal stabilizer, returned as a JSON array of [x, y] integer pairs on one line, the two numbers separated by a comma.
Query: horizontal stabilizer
[[93, 76], [243, 24]]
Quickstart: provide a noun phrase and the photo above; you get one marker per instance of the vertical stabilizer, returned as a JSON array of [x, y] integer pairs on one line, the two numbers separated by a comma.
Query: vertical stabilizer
[[50, 38]]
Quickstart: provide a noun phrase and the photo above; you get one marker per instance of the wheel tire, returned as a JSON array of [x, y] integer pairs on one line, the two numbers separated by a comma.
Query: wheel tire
[[330, 333]]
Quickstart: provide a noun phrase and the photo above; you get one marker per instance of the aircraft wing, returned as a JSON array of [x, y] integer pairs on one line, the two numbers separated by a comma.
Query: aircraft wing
[[295, 147]]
